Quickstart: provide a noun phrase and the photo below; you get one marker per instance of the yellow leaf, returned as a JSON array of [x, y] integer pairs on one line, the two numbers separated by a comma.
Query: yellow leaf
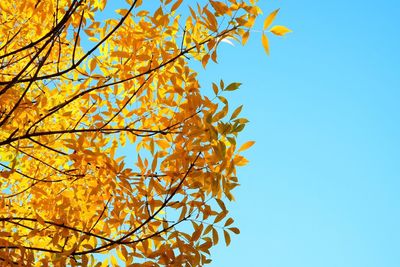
[[280, 30], [240, 160], [154, 163], [268, 21], [105, 263], [114, 262], [138, 86], [265, 44], [245, 37], [121, 255], [246, 146]]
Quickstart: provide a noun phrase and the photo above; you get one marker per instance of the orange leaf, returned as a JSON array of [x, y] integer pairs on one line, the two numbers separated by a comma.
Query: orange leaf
[[228, 222], [227, 238], [176, 5], [246, 145], [265, 44], [234, 230]]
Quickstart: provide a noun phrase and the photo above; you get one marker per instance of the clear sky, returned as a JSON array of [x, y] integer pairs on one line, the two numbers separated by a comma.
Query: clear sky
[[323, 184]]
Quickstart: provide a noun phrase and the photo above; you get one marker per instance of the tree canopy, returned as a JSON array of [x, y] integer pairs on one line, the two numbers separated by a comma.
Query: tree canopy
[[75, 87]]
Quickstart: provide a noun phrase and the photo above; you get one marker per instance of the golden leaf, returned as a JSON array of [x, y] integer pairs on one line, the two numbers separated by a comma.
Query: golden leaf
[[264, 40], [280, 30], [271, 17], [246, 146]]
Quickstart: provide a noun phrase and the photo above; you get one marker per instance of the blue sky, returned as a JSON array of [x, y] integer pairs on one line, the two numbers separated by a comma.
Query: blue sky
[[322, 186]]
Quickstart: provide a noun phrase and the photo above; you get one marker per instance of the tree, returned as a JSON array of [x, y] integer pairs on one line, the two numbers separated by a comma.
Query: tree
[[74, 89]]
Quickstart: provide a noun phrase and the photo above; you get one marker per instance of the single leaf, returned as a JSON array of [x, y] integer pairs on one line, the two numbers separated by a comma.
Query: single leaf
[[245, 37], [93, 64], [220, 7], [204, 60], [176, 5], [154, 163], [234, 230], [215, 236], [114, 262], [220, 216], [221, 204], [228, 222], [236, 112], [227, 238], [280, 30], [221, 84], [264, 40], [215, 88], [105, 263], [208, 229], [271, 17], [223, 100], [232, 87], [246, 146]]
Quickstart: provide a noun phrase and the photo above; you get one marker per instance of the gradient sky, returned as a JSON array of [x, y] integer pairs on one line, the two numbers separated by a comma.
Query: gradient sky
[[322, 187]]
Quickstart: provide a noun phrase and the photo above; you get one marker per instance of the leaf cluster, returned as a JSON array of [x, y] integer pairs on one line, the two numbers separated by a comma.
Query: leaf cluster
[[74, 90]]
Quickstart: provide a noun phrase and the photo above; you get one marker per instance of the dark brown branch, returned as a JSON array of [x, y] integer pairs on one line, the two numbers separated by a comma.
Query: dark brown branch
[[126, 103], [182, 53], [61, 225], [101, 215], [137, 132], [83, 115], [22, 191], [30, 248], [10, 40], [74, 66], [48, 165], [48, 147], [66, 17], [27, 176], [41, 63], [77, 37]]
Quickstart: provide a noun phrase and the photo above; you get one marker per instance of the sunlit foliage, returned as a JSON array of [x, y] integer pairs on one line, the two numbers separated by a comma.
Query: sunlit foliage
[[75, 88]]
